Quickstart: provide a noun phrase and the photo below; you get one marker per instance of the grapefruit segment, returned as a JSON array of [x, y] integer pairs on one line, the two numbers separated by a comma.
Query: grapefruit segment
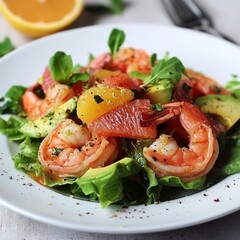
[[124, 121]]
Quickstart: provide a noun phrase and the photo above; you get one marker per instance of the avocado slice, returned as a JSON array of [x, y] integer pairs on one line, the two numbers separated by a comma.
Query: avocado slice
[[41, 127], [160, 93], [223, 108]]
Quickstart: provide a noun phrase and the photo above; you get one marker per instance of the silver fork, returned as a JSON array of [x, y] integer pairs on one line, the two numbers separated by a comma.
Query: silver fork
[[187, 14]]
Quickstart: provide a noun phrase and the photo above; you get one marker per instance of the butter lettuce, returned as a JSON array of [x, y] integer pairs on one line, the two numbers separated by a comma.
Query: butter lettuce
[[229, 161], [10, 128], [106, 183], [27, 157]]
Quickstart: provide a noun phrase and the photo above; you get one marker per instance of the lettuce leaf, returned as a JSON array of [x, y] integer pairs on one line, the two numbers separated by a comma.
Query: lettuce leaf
[[12, 101], [230, 158], [27, 157], [149, 180], [10, 128], [172, 181], [106, 183]]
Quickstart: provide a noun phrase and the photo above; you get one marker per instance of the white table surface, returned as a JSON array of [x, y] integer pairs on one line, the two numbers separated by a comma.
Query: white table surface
[[226, 17]]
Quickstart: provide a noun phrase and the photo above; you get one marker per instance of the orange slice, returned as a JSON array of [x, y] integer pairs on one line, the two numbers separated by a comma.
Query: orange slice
[[37, 18]]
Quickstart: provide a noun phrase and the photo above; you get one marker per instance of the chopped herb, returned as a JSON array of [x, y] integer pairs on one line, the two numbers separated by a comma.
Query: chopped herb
[[98, 99], [187, 88], [57, 151], [217, 89], [115, 41], [157, 107]]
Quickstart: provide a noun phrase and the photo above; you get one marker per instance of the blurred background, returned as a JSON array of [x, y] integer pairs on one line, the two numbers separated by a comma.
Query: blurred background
[[224, 15]]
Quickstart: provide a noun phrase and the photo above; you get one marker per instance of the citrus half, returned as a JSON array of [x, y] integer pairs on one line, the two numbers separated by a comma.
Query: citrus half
[[37, 18]]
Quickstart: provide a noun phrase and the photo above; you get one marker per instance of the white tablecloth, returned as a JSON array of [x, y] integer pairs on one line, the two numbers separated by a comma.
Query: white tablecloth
[[226, 17]]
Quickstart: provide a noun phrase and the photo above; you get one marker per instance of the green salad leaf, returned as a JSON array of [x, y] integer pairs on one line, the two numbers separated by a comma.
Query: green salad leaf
[[63, 71], [106, 183], [27, 157], [12, 100], [6, 46], [230, 157], [149, 180], [115, 41], [61, 66], [233, 86], [10, 128], [116, 6], [171, 68], [172, 181]]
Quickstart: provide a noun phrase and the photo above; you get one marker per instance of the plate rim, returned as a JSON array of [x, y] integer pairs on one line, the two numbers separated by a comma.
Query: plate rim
[[113, 229]]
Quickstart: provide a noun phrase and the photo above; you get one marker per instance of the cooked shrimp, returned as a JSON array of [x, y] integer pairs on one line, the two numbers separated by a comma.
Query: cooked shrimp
[[204, 84], [36, 107], [71, 149], [126, 60], [131, 59], [166, 158]]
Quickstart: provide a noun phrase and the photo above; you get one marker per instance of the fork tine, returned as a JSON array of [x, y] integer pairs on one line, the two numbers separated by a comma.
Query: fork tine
[[183, 12], [186, 13]]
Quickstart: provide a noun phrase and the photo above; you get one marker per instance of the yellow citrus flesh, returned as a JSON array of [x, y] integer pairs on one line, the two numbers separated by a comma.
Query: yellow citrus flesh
[[97, 101], [37, 18]]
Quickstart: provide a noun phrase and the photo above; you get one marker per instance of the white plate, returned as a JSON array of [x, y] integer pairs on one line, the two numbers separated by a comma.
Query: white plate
[[215, 57]]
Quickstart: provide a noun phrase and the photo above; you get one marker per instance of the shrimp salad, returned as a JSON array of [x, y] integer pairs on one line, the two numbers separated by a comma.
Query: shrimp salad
[[126, 128]]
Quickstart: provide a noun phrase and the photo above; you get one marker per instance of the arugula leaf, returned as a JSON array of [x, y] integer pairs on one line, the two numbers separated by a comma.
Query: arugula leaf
[[167, 69], [142, 76], [233, 86], [12, 103], [115, 41], [6, 46]]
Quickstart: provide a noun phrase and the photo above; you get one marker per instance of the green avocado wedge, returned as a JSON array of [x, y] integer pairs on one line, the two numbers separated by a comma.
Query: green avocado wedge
[[160, 93], [39, 128], [223, 108]]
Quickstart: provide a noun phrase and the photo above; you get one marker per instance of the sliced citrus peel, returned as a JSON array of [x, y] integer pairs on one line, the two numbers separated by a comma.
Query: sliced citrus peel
[[36, 22]]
